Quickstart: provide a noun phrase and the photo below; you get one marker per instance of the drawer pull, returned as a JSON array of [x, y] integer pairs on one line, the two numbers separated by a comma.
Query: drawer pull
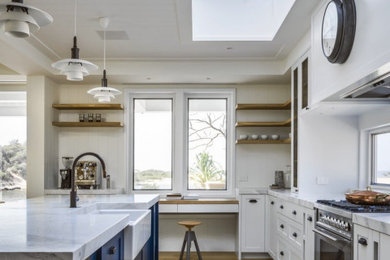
[[282, 226], [281, 206], [281, 253], [294, 212], [112, 250], [272, 203], [295, 235], [362, 241], [310, 219], [252, 201]]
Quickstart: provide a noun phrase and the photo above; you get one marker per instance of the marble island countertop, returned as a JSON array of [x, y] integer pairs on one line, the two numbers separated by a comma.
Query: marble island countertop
[[376, 221], [46, 228]]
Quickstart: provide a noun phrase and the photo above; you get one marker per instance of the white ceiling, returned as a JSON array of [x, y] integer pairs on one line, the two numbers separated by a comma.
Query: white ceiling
[[158, 30]]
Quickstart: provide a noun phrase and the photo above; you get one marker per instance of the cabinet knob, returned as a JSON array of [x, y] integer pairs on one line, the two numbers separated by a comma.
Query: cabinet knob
[[362, 241], [282, 226], [294, 212], [294, 234], [252, 201], [281, 206], [112, 250], [272, 203], [309, 218], [281, 253]]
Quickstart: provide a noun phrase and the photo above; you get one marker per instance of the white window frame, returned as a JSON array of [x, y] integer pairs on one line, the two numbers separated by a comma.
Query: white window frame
[[371, 158], [180, 98]]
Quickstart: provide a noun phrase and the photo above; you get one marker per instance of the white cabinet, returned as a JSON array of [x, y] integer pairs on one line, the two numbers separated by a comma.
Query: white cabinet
[[384, 247], [367, 243], [309, 234], [290, 227], [272, 204], [252, 223]]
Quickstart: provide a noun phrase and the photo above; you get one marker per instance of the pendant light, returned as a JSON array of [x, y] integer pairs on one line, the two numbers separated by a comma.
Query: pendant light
[[74, 68], [20, 20], [104, 94]]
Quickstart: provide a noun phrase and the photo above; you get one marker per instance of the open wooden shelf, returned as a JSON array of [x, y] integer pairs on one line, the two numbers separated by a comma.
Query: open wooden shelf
[[88, 106], [286, 141], [284, 106], [87, 124], [264, 124]]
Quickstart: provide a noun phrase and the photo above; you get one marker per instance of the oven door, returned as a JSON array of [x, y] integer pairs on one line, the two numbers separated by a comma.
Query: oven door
[[329, 246]]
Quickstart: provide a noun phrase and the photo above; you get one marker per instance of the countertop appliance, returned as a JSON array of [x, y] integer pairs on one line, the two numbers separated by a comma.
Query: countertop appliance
[[334, 228]]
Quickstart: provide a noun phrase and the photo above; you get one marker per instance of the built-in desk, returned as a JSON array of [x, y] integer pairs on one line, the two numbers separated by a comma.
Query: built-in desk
[[223, 205]]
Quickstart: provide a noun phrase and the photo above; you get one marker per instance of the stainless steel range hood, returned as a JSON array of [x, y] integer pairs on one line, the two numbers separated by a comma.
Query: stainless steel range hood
[[373, 87]]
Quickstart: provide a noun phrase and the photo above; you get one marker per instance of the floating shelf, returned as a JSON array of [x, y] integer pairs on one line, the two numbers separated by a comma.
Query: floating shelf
[[284, 106], [87, 124], [88, 106], [286, 141], [264, 124]]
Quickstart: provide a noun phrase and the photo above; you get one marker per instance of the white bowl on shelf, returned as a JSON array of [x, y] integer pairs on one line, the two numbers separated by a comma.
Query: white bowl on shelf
[[264, 137], [243, 137], [254, 137], [275, 137]]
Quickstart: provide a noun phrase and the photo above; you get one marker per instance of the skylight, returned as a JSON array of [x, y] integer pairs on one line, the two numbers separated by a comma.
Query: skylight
[[238, 20]]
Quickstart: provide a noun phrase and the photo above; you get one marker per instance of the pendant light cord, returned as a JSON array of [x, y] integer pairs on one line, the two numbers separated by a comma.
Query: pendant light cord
[[104, 49], [75, 17]]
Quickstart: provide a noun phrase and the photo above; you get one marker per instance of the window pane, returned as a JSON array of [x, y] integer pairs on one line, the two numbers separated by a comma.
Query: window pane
[[152, 144], [207, 144], [381, 158]]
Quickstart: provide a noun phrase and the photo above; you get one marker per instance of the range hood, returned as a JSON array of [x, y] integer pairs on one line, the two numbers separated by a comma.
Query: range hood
[[373, 87]]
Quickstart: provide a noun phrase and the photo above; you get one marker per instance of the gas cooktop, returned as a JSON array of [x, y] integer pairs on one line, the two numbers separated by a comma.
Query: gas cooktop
[[345, 205]]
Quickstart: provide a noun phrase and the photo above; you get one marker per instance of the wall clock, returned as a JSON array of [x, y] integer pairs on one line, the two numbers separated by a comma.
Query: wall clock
[[338, 30]]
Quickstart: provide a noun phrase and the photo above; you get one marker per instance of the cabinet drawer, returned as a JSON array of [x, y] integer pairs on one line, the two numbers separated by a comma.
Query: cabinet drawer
[[296, 235], [294, 212], [282, 227]]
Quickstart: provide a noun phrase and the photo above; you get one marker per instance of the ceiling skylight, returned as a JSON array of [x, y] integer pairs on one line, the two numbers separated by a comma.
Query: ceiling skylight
[[238, 20]]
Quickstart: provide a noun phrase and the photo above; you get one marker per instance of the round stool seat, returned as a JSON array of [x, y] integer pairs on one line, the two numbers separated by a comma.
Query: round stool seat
[[189, 224]]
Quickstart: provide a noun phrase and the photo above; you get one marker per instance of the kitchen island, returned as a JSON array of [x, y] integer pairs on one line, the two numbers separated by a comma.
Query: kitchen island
[[46, 228]]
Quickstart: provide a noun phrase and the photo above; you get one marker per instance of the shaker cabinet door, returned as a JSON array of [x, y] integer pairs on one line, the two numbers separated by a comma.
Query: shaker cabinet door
[[253, 223]]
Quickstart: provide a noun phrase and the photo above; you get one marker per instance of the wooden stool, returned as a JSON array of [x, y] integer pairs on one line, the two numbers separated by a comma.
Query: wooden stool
[[188, 238]]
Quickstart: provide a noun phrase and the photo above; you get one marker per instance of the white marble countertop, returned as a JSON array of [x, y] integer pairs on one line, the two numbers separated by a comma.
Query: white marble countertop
[[34, 227], [376, 221]]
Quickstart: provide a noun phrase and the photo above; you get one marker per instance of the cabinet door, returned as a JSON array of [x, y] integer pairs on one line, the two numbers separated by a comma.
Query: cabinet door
[[272, 226], [282, 250], [309, 234], [253, 223], [113, 249], [384, 247], [364, 243]]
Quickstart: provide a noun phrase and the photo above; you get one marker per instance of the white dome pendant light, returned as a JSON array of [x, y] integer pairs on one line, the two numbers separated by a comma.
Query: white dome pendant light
[[20, 20], [104, 94], [74, 68]]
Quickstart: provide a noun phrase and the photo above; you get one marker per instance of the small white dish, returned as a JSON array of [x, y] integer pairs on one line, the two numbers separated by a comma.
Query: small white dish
[[243, 137], [255, 137], [275, 137], [264, 137]]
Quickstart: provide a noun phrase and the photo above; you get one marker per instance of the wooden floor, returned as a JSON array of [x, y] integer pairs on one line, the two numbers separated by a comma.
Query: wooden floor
[[205, 256]]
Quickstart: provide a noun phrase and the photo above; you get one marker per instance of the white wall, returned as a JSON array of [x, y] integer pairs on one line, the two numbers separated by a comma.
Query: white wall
[[328, 148], [370, 49], [41, 137]]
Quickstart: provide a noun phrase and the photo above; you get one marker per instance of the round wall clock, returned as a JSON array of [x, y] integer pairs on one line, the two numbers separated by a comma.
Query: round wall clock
[[338, 30]]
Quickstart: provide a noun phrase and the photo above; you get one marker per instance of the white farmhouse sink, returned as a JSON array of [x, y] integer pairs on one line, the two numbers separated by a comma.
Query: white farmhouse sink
[[137, 232]]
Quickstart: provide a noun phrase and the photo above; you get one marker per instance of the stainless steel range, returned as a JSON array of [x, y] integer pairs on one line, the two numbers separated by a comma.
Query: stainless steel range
[[334, 228]]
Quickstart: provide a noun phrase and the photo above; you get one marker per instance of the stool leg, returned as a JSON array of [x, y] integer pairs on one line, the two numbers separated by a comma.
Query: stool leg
[[188, 245], [197, 247], [183, 246]]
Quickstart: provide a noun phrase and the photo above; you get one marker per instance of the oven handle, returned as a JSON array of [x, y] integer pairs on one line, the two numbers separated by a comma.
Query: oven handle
[[325, 235]]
